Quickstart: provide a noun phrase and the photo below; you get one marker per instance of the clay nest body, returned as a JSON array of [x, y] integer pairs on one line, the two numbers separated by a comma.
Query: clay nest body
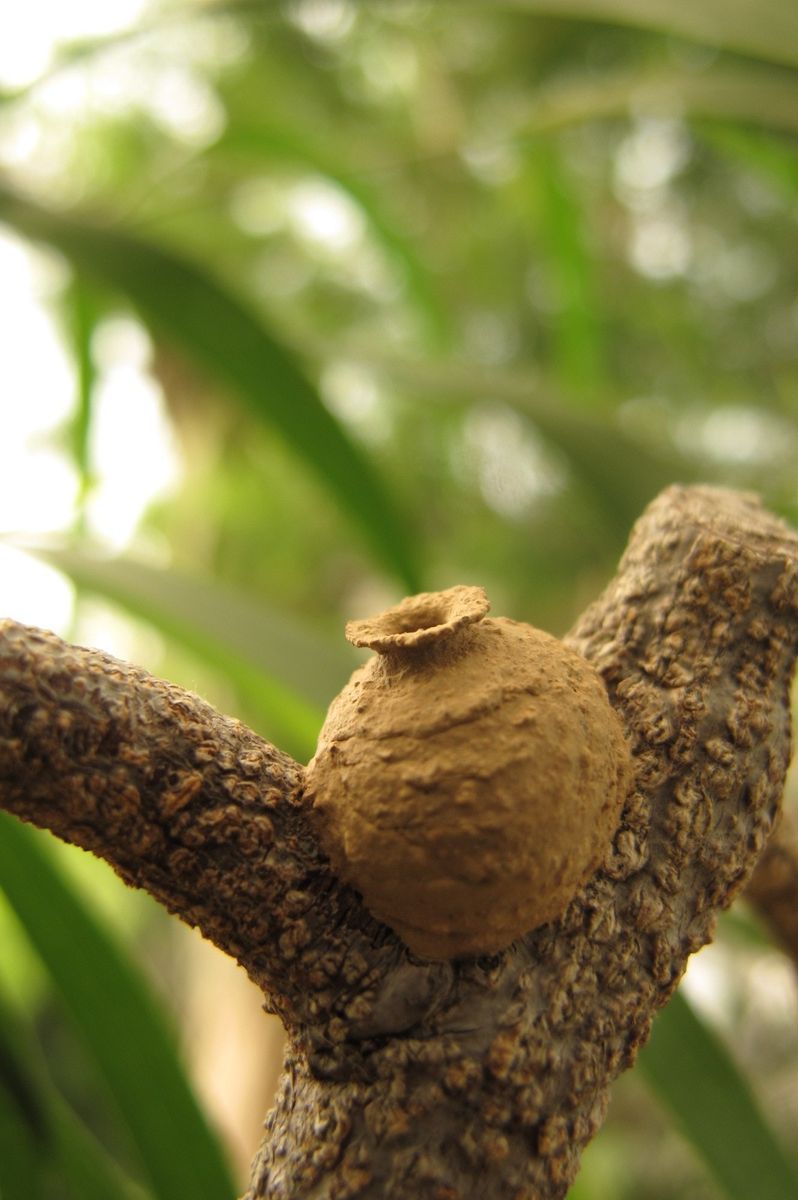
[[470, 776]]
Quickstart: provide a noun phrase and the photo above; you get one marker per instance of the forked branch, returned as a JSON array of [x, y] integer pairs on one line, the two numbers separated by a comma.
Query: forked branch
[[475, 1078]]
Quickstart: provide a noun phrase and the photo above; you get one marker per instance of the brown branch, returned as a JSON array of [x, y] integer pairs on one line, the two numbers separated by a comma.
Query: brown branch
[[184, 802], [478, 1078], [773, 887]]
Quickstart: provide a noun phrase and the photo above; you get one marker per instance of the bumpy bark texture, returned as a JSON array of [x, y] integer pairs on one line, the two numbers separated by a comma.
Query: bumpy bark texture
[[477, 1078]]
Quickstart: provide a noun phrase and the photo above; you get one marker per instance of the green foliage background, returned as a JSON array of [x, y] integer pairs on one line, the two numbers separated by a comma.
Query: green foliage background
[[558, 272]]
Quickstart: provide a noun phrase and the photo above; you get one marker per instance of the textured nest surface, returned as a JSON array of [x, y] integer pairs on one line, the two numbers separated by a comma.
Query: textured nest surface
[[469, 778]]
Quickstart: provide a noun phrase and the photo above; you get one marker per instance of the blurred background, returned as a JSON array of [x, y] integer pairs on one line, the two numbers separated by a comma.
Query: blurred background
[[309, 305]]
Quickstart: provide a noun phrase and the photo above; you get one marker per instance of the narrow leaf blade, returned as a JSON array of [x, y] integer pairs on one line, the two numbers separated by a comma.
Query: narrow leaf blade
[[770, 157], [216, 328], [578, 349], [745, 92], [765, 29], [20, 1161], [691, 1072], [118, 1021], [81, 314], [59, 1139]]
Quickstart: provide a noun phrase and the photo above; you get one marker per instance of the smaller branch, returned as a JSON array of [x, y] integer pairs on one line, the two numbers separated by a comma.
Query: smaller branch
[[773, 887], [181, 801]]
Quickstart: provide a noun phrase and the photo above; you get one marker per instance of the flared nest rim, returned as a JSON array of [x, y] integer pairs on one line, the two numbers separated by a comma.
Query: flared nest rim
[[420, 620]]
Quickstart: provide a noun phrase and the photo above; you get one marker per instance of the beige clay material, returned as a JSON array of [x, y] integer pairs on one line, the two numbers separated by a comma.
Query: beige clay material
[[469, 778]]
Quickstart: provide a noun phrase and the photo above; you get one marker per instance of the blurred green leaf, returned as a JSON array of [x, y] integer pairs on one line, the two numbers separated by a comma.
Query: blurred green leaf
[[14, 1077], [118, 1022], [579, 1190], [741, 926], [20, 1157], [285, 673], [81, 313], [25, 1145], [738, 91], [85, 1167], [63, 1146], [692, 1073], [180, 300], [264, 143], [773, 158], [621, 473], [577, 339], [762, 28]]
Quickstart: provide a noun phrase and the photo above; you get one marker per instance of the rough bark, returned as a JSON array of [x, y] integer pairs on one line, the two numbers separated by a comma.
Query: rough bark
[[474, 1078]]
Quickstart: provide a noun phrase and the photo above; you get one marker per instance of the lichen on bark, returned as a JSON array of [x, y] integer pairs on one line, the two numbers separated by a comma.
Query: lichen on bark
[[478, 1077]]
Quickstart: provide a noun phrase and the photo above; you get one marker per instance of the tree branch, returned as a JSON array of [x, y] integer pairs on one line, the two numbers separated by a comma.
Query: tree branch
[[477, 1078], [180, 800]]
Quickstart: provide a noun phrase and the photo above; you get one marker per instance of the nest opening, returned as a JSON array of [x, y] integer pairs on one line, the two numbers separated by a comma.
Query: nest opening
[[420, 620], [411, 622]]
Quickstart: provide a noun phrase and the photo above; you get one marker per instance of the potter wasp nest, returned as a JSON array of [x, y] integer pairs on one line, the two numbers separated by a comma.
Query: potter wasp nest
[[469, 778]]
